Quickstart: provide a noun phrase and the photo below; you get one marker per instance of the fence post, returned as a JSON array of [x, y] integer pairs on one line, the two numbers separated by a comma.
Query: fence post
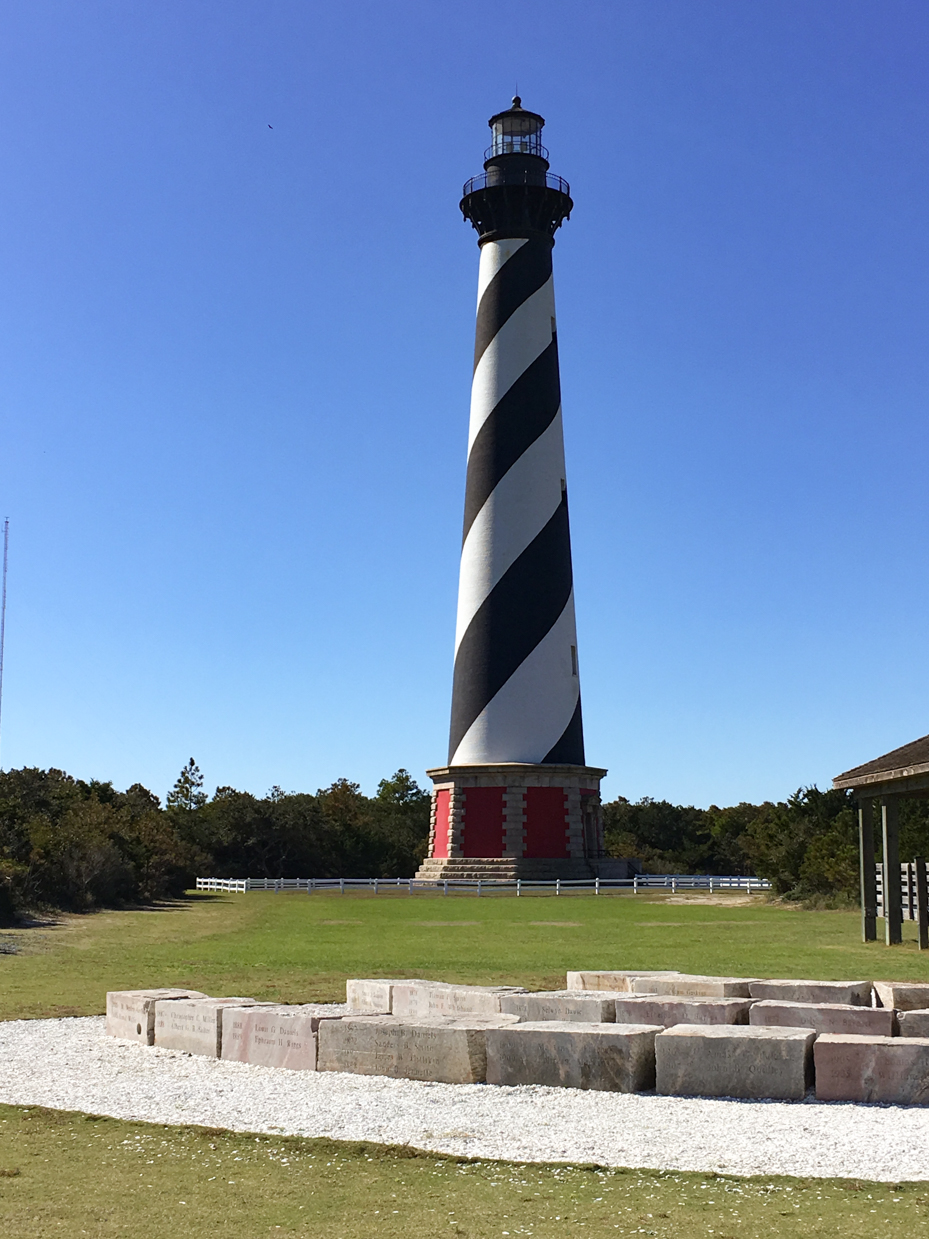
[[479, 888], [519, 886], [674, 886], [635, 884], [922, 902], [893, 875], [596, 886], [558, 886], [445, 887], [711, 884], [411, 886], [341, 886], [868, 871], [375, 886]]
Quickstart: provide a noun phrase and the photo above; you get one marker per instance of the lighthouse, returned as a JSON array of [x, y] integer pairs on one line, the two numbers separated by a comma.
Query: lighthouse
[[516, 798]]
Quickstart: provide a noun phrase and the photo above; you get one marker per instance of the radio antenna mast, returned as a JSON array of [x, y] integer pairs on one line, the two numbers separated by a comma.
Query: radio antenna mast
[[6, 555]]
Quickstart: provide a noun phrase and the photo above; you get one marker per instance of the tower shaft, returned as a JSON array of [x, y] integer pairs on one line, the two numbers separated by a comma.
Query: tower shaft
[[516, 795], [516, 691]]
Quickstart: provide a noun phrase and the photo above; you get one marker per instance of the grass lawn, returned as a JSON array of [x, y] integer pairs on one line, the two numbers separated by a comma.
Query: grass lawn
[[71, 1174], [297, 947], [63, 1173]]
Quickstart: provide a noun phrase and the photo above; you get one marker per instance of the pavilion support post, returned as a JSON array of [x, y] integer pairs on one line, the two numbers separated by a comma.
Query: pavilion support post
[[922, 902], [868, 873], [893, 904]]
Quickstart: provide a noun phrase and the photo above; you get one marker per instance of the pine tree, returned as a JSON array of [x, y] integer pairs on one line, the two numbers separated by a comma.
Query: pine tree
[[187, 793]]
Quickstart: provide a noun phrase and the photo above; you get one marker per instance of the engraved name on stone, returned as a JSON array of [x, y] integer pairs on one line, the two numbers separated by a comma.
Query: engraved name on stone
[[195, 1026], [274, 1036], [131, 1013], [448, 1051]]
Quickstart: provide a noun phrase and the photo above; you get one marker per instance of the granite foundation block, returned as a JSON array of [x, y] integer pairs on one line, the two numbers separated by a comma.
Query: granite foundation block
[[734, 1061], [913, 1023], [902, 995], [422, 999], [892, 1070], [846, 993], [271, 1036], [565, 1005], [824, 1017], [375, 996], [686, 986], [565, 1054], [447, 1051], [668, 1010], [130, 1013], [618, 982], [195, 1025]]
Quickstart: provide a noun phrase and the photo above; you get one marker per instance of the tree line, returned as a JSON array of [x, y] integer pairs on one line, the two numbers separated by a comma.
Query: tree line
[[75, 845], [806, 846]]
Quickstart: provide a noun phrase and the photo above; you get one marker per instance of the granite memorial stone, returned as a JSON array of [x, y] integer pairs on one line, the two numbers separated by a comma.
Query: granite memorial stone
[[618, 982], [668, 1010], [892, 1070], [423, 999], [902, 995], [374, 996], [447, 1051], [130, 1013], [567, 1054], [824, 1017], [271, 1036], [193, 1025], [734, 1061], [913, 1023], [687, 986], [846, 993], [571, 1005]]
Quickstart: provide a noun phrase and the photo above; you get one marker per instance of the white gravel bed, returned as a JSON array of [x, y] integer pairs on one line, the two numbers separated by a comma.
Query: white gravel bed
[[70, 1064]]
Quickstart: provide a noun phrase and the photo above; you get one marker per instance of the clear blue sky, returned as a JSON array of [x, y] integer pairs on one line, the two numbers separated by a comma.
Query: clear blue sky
[[235, 365]]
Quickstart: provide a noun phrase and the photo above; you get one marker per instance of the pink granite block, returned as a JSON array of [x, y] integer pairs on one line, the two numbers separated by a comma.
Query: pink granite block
[[273, 1036], [913, 1023], [824, 1017], [667, 1010], [893, 1070], [846, 993]]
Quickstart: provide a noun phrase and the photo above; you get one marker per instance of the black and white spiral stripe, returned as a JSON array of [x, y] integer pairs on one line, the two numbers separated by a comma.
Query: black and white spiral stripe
[[516, 695]]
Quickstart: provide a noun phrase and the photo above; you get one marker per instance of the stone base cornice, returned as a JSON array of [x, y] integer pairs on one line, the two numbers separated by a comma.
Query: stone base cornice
[[513, 771]]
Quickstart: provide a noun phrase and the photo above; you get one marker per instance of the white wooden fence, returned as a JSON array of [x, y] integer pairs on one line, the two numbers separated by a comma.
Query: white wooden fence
[[640, 882], [908, 889]]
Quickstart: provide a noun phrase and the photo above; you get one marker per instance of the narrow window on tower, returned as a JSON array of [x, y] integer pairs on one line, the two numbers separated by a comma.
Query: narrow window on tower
[[554, 328], [574, 660]]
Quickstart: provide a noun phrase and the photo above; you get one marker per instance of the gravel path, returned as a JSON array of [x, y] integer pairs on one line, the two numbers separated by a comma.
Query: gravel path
[[71, 1065]]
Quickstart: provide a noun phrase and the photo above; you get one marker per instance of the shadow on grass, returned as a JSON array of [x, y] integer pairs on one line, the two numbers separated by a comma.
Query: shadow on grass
[[40, 921]]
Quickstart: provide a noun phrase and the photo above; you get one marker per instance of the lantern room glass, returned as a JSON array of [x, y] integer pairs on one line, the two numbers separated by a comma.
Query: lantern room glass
[[517, 133]]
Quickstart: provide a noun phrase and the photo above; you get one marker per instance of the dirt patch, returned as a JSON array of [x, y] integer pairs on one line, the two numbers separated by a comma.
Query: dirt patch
[[729, 901], [430, 924], [560, 924]]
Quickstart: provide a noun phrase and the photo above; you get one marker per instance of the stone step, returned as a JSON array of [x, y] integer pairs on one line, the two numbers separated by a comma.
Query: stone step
[[507, 869]]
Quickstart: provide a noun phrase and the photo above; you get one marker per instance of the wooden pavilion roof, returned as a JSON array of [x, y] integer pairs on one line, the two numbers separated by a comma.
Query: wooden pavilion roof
[[904, 771]]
